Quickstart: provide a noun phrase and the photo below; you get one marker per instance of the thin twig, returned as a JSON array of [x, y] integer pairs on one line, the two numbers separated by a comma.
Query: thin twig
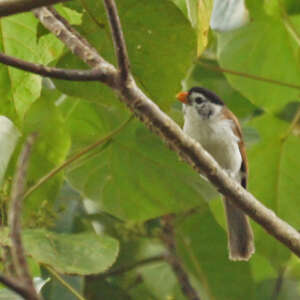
[[278, 284], [168, 237], [119, 41], [17, 192], [76, 43], [75, 157], [250, 76], [64, 283], [16, 287], [58, 73], [11, 7], [125, 269]]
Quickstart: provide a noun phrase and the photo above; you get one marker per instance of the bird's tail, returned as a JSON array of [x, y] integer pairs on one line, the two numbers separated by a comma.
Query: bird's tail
[[240, 235]]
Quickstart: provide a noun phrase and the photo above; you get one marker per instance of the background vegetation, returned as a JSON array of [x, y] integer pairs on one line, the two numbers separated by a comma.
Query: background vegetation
[[95, 227]]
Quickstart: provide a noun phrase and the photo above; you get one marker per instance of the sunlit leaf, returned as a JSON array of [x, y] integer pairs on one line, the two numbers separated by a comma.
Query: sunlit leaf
[[18, 89]]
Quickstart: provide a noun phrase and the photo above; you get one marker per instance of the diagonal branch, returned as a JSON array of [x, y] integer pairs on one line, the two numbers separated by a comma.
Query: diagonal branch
[[17, 249], [76, 43], [76, 75], [10, 7], [168, 237], [188, 149], [118, 38], [16, 287]]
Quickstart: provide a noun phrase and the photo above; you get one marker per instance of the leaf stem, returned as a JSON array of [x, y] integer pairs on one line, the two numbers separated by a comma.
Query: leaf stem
[[64, 283], [250, 76], [75, 157]]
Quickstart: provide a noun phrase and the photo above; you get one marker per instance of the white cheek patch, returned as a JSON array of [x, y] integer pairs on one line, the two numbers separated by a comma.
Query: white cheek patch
[[193, 96]]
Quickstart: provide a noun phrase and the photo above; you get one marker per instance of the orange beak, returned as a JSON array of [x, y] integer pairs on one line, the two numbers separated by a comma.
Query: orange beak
[[183, 97]]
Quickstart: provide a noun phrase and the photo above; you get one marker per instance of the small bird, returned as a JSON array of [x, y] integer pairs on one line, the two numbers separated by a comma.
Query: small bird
[[216, 128]]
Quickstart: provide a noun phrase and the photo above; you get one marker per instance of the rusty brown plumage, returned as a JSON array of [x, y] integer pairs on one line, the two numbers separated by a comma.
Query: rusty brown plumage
[[228, 114]]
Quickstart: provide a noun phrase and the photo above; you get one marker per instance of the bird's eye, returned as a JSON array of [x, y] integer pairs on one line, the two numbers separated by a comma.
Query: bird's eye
[[199, 100]]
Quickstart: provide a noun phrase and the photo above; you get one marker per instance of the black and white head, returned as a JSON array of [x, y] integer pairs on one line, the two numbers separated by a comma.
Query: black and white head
[[201, 101]]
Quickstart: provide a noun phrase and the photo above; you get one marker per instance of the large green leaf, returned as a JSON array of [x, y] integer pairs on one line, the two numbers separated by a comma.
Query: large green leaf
[[134, 176], [203, 246], [160, 51], [82, 253], [253, 50], [274, 178], [49, 151], [18, 89]]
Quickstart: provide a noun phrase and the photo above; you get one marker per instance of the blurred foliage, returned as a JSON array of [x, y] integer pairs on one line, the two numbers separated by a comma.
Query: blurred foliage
[[103, 211]]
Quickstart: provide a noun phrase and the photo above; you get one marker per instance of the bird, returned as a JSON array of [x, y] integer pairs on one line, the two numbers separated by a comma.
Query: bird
[[209, 122]]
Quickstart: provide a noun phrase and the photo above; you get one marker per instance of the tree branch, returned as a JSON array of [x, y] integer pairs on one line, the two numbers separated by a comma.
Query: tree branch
[[119, 41], [182, 277], [11, 7], [16, 287], [58, 73], [18, 186], [187, 148], [76, 43]]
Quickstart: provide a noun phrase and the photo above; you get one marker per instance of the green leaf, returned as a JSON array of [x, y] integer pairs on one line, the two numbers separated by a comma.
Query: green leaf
[[252, 50], [160, 51], [71, 15], [256, 8], [158, 277], [9, 136], [18, 89], [182, 5], [109, 290], [49, 151], [274, 178], [133, 176], [82, 253], [272, 8], [291, 6], [55, 290], [203, 247]]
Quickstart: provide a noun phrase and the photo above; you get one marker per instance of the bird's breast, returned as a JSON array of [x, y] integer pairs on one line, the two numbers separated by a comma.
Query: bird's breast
[[217, 138]]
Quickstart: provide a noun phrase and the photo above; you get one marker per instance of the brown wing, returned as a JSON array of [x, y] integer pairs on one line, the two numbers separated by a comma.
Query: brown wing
[[238, 131]]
